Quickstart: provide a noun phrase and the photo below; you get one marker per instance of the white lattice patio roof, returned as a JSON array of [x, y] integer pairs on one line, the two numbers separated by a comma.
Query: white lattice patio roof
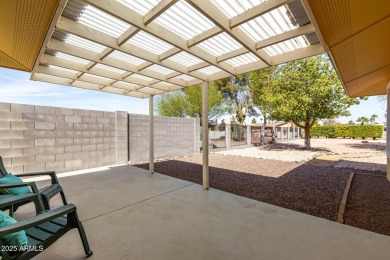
[[146, 47]]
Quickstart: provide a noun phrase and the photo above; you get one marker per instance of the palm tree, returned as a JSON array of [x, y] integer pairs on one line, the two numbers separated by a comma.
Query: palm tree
[[363, 120], [373, 118], [351, 122]]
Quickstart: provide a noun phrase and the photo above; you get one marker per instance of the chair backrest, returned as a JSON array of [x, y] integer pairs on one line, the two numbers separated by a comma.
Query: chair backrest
[[3, 171]]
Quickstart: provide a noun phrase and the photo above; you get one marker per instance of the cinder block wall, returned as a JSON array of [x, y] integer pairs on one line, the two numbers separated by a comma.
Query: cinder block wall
[[172, 137], [40, 138]]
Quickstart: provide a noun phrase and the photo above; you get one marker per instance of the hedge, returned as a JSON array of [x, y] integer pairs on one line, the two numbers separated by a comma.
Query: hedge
[[354, 131]]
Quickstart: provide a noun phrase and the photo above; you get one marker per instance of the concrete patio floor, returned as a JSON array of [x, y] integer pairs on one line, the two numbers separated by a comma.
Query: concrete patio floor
[[130, 214]]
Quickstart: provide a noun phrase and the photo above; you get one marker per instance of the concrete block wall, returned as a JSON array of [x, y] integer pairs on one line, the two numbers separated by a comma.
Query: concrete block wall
[[172, 137], [40, 138]]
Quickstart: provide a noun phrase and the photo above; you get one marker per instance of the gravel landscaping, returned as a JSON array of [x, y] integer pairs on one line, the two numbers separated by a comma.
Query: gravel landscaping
[[368, 205], [272, 154], [341, 146], [293, 150], [282, 175], [372, 163], [305, 188]]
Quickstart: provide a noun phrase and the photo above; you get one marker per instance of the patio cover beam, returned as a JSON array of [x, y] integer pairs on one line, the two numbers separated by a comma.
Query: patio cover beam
[[257, 11], [156, 11], [306, 29], [59, 62], [69, 49], [204, 36], [205, 135], [94, 35], [222, 21], [135, 19], [80, 84], [88, 79]]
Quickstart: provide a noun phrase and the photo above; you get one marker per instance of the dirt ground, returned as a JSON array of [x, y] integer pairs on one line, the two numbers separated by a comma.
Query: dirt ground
[[312, 189]]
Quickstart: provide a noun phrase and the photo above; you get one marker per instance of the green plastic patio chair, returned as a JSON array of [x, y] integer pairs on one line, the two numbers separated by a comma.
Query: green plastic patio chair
[[41, 230], [47, 192], [8, 202]]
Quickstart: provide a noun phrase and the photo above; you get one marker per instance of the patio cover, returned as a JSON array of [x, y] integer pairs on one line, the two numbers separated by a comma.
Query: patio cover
[[142, 48]]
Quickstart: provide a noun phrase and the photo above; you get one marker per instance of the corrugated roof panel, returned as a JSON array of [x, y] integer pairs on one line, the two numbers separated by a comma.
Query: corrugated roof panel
[[220, 44], [140, 6], [186, 59], [109, 68], [138, 76], [151, 91], [150, 43], [102, 21], [243, 60], [84, 43], [270, 24], [113, 90], [287, 46], [64, 69], [164, 83], [136, 94], [100, 79], [160, 69], [71, 58], [233, 8], [126, 58], [184, 20], [209, 70], [125, 85], [184, 77]]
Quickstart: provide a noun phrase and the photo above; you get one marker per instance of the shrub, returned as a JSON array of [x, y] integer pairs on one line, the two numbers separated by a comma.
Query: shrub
[[325, 131], [354, 131]]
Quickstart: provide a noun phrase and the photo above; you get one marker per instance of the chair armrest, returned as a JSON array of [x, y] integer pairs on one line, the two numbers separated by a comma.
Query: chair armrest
[[17, 199], [34, 196], [52, 174], [39, 219], [32, 185]]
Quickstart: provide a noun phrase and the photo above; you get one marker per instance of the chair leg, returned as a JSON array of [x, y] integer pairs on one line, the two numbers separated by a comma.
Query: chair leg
[[83, 236], [63, 197]]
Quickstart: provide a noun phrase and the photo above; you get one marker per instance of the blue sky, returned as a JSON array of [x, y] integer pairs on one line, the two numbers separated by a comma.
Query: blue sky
[[16, 87]]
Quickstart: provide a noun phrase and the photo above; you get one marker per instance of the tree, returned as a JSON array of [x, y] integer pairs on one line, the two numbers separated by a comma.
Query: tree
[[372, 119], [309, 90], [236, 92], [351, 122], [188, 103], [363, 120], [262, 84], [254, 121]]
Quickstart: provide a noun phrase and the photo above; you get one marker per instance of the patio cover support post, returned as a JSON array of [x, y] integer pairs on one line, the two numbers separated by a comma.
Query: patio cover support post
[[205, 135], [388, 131], [151, 135]]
